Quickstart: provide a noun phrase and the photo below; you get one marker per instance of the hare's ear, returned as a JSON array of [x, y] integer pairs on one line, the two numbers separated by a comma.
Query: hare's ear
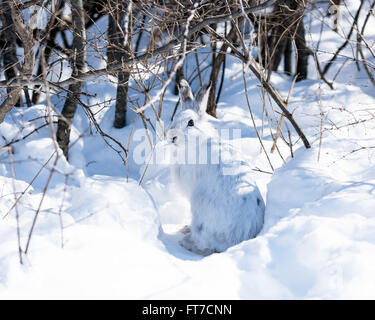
[[186, 95], [202, 98]]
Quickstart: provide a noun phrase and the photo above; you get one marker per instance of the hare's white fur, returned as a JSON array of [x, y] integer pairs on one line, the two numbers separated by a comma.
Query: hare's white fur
[[226, 204]]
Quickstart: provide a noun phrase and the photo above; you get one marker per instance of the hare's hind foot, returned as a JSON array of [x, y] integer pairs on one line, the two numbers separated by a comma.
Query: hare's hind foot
[[185, 230], [188, 244]]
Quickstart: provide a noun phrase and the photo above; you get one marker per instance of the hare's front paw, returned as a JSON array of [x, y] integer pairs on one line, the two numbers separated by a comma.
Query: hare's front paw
[[185, 230]]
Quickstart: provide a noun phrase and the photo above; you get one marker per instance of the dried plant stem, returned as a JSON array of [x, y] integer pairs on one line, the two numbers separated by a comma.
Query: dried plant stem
[[252, 116], [282, 116]]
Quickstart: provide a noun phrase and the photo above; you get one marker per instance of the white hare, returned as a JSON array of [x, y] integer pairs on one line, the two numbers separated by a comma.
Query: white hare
[[226, 204]]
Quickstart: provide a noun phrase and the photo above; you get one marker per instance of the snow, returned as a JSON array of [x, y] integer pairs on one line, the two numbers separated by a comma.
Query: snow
[[102, 234]]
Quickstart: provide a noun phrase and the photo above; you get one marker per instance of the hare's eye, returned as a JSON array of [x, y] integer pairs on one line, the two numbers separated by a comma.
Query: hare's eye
[[191, 123]]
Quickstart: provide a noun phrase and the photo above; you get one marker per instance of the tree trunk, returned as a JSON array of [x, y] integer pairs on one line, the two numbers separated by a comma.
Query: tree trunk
[[217, 61], [179, 76], [288, 58], [78, 61], [121, 99], [8, 44], [278, 49], [119, 46], [287, 25], [302, 53], [26, 38]]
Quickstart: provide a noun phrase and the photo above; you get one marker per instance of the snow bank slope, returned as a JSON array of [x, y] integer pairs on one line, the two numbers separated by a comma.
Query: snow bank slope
[[319, 229], [110, 242]]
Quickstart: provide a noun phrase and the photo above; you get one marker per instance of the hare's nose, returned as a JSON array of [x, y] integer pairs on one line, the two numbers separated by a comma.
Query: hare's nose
[[174, 139]]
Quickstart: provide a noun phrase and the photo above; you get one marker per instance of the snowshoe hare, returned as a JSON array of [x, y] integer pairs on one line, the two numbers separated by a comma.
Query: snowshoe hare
[[226, 204]]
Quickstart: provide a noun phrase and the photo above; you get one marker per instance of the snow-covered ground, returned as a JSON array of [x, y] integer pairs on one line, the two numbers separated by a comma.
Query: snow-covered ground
[[100, 234]]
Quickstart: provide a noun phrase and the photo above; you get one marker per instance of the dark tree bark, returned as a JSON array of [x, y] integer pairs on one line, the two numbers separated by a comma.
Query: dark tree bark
[[118, 34], [288, 58], [277, 45], [8, 43], [302, 53], [216, 64], [286, 25], [78, 61], [121, 100], [26, 40], [179, 76]]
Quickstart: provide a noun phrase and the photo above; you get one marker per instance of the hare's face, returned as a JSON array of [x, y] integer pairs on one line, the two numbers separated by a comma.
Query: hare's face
[[185, 124], [190, 121]]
